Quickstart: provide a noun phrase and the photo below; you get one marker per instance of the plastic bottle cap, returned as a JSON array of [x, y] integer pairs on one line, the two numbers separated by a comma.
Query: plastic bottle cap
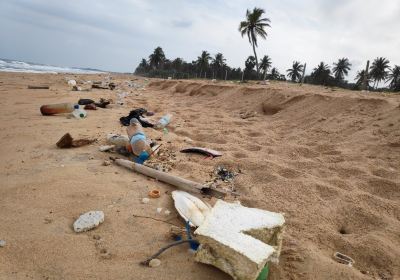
[[76, 106], [82, 115]]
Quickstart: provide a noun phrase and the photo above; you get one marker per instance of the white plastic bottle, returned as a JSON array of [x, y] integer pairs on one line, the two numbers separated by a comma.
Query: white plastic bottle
[[164, 121], [79, 113]]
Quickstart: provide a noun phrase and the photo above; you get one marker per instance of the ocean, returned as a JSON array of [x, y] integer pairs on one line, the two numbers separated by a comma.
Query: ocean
[[8, 65]]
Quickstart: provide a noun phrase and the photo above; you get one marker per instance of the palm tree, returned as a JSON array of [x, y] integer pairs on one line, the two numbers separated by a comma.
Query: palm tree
[[341, 68], [218, 62], [249, 65], [379, 70], [265, 64], [254, 26], [202, 61], [321, 74], [394, 78], [274, 74], [295, 72], [157, 58], [360, 79]]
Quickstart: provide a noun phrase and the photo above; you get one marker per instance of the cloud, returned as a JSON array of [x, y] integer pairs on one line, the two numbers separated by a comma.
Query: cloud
[[116, 35], [182, 23]]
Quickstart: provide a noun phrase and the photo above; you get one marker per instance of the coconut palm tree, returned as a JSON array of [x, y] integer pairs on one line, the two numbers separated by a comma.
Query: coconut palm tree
[[218, 62], [265, 64], [341, 68], [295, 72], [157, 58], [274, 75], [394, 78], [360, 79], [203, 61], [321, 74], [254, 26], [379, 70]]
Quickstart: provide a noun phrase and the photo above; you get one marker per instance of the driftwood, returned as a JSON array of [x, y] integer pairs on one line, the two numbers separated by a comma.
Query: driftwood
[[68, 142], [176, 181], [38, 87]]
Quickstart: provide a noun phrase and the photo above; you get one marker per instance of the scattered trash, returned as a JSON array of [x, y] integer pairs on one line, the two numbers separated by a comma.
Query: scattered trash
[[171, 179], [85, 101], [38, 87], [149, 114], [90, 107], [138, 142], [68, 142], [103, 103], [2, 243], [96, 86], [111, 86], [117, 140], [179, 242], [78, 113], [246, 238], [203, 151], [72, 83], [167, 212], [154, 263], [145, 200], [224, 174], [164, 121], [136, 114], [88, 221], [106, 163], [60, 108], [159, 209], [154, 194], [106, 148], [342, 258], [191, 208], [76, 88]]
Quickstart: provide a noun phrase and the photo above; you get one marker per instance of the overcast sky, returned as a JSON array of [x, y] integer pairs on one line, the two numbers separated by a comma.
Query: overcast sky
[[115, 35]]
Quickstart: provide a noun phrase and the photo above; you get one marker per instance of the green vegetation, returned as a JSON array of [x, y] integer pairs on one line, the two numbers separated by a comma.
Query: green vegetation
[[216, 67]]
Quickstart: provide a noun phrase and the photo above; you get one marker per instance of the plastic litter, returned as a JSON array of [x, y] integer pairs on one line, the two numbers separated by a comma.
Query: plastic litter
[[191, 208], [154, 194], [164, 121], [78, 113], [59, 108], [342, 258]]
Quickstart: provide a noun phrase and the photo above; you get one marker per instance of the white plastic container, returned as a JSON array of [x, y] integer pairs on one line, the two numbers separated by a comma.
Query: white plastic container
[[164, 121], [79, 113]]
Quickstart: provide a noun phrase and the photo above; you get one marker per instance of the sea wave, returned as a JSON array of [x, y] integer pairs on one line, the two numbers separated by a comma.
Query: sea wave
[[8, 65]]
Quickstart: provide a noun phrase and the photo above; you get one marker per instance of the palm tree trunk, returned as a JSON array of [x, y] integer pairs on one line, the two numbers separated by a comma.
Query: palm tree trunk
[[255, 55], [201, 71], [265, 74]]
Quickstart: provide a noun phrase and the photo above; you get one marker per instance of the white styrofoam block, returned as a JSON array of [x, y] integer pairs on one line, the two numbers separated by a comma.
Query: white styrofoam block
[[233, 237]]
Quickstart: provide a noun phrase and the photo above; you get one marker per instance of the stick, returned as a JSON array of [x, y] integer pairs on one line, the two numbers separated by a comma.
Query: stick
[[176, 181], [38, 87], [146, 262], [155, 219]]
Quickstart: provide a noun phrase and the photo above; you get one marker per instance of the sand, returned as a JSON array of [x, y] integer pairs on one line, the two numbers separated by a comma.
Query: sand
[[328, 159]]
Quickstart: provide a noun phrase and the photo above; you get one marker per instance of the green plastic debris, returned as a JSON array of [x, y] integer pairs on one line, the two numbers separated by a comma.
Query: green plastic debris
[[264, 273]]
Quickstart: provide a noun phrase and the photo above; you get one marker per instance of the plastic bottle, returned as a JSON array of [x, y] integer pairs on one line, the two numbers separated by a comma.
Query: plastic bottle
[[53, 109], [164, 121], [138, 142], [78, 112], [117, 140]]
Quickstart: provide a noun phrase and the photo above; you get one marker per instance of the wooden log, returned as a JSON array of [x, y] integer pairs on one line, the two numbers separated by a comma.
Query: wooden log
[[176, 181], [38, 87]]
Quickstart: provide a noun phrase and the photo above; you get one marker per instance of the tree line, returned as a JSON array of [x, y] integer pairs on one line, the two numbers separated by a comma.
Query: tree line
[[254, 27]]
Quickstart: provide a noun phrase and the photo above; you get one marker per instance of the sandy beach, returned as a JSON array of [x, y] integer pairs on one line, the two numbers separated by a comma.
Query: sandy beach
[[329, 159]]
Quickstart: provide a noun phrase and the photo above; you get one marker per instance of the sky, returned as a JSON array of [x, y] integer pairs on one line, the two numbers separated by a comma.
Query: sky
[[115, 35]]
